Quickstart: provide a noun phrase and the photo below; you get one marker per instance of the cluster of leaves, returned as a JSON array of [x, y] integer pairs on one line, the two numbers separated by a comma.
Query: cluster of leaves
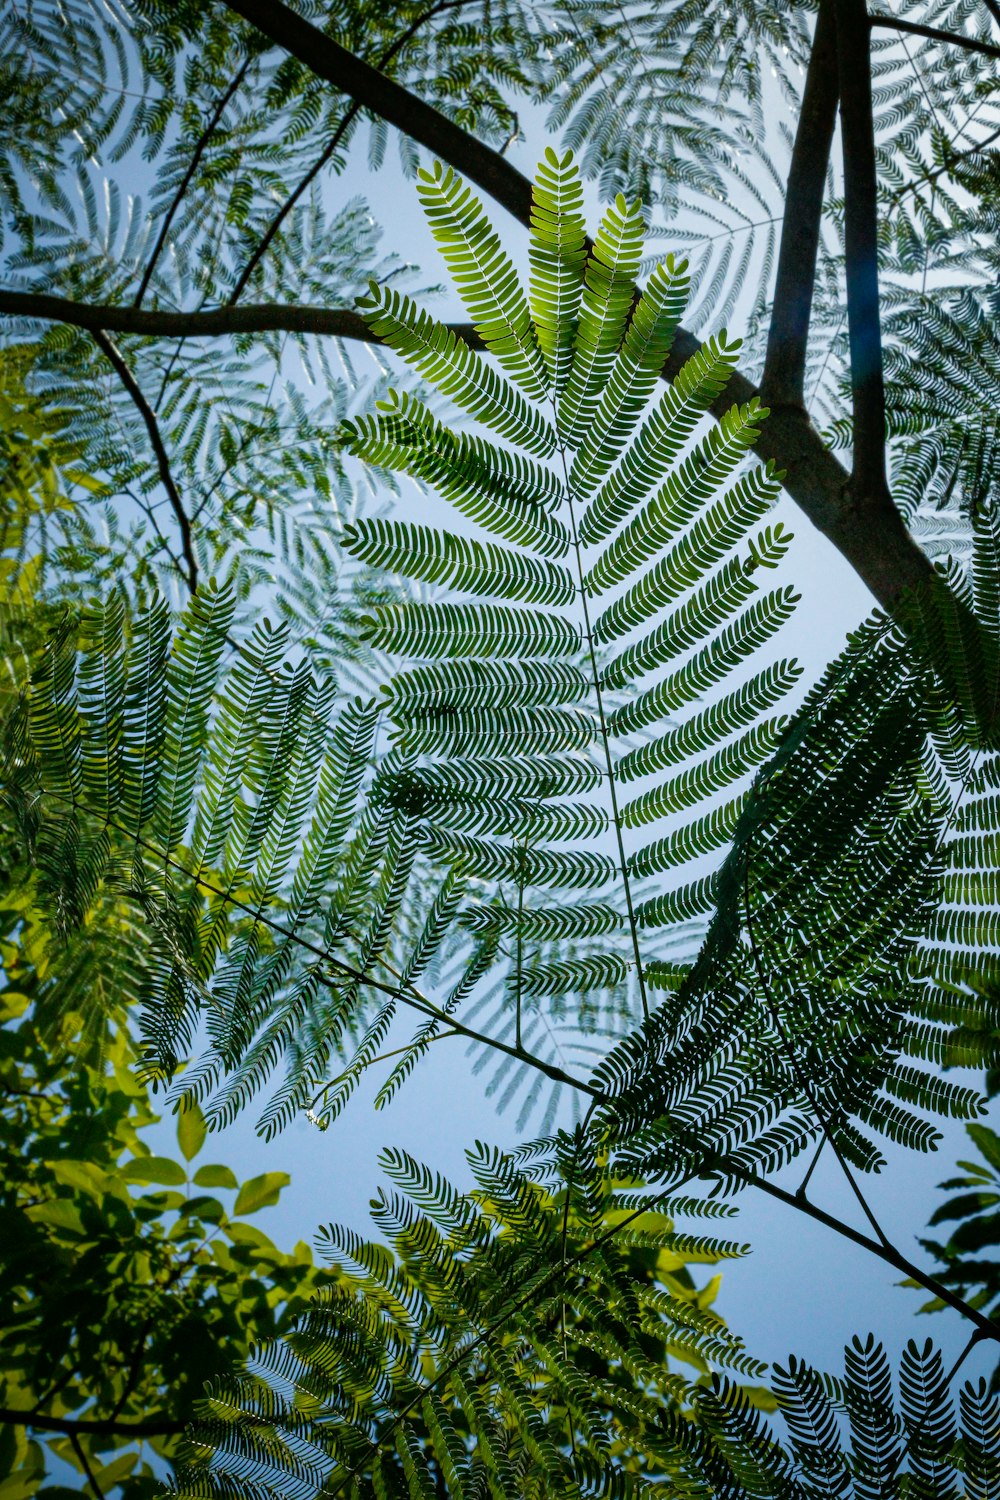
[[206, 832], [127, 1277], [830, 976], [515, 1340], [967, 1259]]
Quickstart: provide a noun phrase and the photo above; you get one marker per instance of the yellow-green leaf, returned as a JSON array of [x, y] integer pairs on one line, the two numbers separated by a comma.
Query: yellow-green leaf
[[191, 1131], [154, 1169], [214, 1176], [260, 1192]]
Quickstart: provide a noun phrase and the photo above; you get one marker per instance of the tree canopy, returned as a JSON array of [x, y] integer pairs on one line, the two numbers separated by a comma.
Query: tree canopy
[[374, 682]]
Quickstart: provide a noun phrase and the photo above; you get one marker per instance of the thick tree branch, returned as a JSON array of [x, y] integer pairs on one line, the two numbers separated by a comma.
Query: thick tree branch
[[393, 103], [949, 38], [873, 539], [868, 478], [185, 182], [783, 382], [13, 1416], [260, 250], [879, 549], [260, 317], [130, 383]]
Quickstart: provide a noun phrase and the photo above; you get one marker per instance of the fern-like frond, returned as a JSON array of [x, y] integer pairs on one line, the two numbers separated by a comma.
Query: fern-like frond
[[484, 276], [510, 1312], [557, 252], [457, 371], [457, 561]]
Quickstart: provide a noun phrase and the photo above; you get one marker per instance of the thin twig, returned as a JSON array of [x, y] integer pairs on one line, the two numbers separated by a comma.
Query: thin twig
[[144, 409], [949, 38], [185, 182], [933, 173], [887, 1253], [416, 1000], [85, 1465], [800, 1191]]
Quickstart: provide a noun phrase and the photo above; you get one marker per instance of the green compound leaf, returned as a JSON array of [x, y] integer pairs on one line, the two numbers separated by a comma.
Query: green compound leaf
[[461, 630], [441, 357], [505, 493], [557, 253], [660, 438], [461, 562], [485, 277], [633, 379], [602, 971], [609, 285]]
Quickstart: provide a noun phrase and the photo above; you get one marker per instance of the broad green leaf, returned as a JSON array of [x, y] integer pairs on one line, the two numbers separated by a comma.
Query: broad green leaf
[[213, 1176], [260, 1192], [988, 1142], [154, 1169], [191, 1131]]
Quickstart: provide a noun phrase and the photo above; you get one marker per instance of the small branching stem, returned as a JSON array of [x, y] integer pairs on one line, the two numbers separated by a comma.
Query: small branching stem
[[78, 1449], [13, 1416], [605, 738], [326, 155], [128, 380], [800, 1077], [185, 182], [415, 1000], [948, 38]]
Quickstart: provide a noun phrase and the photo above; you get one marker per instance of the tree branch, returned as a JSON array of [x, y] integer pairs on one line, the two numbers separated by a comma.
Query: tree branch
[[783, 382], [872, 538], [879, 548], [85, 1465], [888, 1253], [13, 1416], [262, 317], [869, 487], [389, 100], [949, 38], [262, 247], [278, 219], [185, 183], [128, 380]]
